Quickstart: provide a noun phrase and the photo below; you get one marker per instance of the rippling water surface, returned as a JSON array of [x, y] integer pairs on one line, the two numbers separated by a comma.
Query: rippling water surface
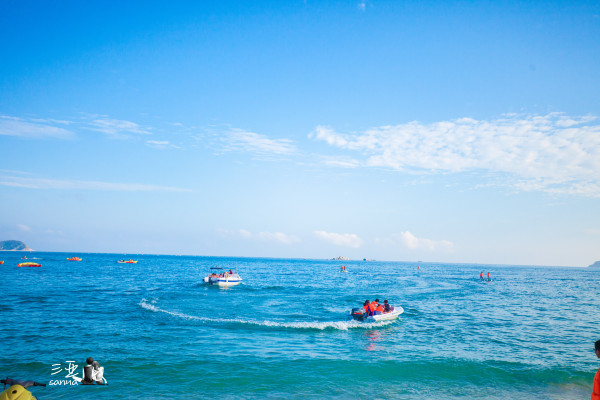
[[160, 333]]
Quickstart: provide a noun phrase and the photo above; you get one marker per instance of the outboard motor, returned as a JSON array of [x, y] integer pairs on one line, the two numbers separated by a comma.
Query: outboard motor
[[358, 314]]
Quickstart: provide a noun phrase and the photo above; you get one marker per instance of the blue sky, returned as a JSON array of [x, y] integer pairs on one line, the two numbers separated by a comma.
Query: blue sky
[[435, 131]]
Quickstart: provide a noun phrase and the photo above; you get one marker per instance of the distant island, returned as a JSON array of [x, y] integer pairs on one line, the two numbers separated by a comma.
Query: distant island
[[340, 258], [595, 265], [14, 245]]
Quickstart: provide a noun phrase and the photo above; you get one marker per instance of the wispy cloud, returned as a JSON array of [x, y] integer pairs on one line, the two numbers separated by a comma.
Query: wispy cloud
[[340, 239], [273, 237], [554, 153], [241, 140], [23, 228], [409, 241], [161, 144], [38, 128], [117, 127], [48, 127], [59, 184]]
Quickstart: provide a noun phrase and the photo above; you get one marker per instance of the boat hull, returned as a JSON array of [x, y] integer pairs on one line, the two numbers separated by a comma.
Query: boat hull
[[224, 282], [392, 315]]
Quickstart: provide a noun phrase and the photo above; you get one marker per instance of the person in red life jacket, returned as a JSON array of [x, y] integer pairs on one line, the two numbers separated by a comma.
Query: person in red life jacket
[[379, 309], [596, 386], [366, 307], [489, 278], [481, 275], [372, 307]]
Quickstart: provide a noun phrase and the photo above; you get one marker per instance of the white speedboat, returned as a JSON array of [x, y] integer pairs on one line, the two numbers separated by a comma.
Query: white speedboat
[[221, 277], [358, 314]]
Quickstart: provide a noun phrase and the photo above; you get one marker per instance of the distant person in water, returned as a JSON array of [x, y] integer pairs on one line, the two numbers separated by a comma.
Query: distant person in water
[[596, 386], [481, 275], [489, 277]]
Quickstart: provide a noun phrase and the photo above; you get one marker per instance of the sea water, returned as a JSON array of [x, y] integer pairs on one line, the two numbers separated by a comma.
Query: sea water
[[160, 333]]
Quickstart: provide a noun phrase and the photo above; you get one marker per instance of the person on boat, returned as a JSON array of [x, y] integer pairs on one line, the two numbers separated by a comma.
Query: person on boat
[[489, 277], [596, 385], [372, 307], [376, 301], [386, 307], [230, 272], [481, 275], [366, 307], [98, 373], [379, 309]]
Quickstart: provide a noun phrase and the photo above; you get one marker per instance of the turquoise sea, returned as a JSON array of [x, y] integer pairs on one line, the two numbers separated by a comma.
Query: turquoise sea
[[283, 334]]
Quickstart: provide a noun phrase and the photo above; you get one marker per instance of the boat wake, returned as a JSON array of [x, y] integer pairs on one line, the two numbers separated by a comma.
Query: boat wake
[[320, 325]]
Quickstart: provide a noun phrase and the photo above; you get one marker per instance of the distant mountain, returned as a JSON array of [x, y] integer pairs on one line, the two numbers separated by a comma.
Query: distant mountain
[[14, 245], [595, 265]]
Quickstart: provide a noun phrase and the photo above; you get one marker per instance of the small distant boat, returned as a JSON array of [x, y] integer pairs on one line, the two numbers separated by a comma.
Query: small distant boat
[[220, 277], [1, 262], [358, 314], [74, 259], [130, 261], [29, 264]]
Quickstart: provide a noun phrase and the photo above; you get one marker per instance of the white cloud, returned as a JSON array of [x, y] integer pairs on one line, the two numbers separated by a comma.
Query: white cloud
[[277, 237], [59, 184], [240, 140], [408, 240], [23, 228], [340, 239], [274, 237], [161, 144], [11, 126], [116, 127], [344, 162], [553, 153]]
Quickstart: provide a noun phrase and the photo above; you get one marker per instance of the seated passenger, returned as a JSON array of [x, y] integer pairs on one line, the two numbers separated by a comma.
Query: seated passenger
[[366, 306], [375, 303], [88, 372], [98, 373], [379, 309], [386, 307], [372, 307]]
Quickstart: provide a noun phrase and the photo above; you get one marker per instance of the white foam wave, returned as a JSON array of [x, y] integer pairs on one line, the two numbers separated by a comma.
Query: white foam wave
[[340, 325]]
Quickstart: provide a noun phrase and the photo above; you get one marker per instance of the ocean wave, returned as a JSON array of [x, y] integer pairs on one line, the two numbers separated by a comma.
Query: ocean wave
[[319, 325]]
